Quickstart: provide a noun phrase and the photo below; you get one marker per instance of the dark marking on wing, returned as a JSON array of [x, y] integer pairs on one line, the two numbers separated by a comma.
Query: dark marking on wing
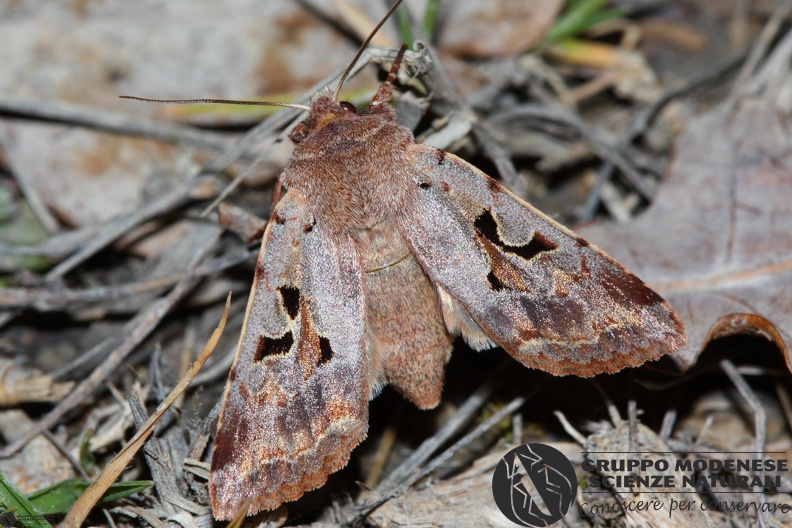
[[488, 228], [632, 289], [232, 375], [268, 346], [492, 184], [325, 349], [494, 282], [582, 242], [440, 154], [278, 219], [235, 431], [309, 227], [425, 185], [291, 300]]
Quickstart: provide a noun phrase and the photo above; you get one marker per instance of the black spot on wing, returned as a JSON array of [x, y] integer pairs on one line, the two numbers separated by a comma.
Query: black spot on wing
[[494, 282], [325, 349], [538, 244], [268, 346], [291, 300], [488, 228]]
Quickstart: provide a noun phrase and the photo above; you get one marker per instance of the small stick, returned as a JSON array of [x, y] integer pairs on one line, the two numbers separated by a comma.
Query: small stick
[[80, 509], [135, 331]]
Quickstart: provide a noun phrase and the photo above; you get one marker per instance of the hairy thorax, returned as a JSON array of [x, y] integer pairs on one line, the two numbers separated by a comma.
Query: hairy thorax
[[353, 167]]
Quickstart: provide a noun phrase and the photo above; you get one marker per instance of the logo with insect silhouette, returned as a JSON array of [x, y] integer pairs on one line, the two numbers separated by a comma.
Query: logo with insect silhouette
[[8, 519], [534, 485]]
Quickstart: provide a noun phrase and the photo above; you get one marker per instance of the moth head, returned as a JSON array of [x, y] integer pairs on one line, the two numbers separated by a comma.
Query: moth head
[[326, 107]]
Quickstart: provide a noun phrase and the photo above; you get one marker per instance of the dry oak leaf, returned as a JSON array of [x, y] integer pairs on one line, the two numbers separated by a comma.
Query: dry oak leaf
[[501, 28], [717, 240]]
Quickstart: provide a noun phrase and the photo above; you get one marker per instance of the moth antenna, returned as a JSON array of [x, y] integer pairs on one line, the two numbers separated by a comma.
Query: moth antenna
[[363, 48], [385, 91], [216, 101]]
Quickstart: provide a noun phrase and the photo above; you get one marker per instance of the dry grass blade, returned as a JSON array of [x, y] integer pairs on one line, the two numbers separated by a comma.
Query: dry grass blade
[[79, 511]]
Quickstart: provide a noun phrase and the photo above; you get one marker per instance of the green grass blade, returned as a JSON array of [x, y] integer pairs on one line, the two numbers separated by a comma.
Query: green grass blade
[[430, 18], [59, 498], [23, 510], [579, 16]]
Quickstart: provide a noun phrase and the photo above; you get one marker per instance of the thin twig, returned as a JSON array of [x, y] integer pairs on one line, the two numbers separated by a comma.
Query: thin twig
[[760, 47], [68, 455], [134, 333], [570, 430], [669, 421], [47, 299], [26, 185], [80, 509], [120, 226], [593, 137], [640, 123], [55, 247], [760, 428], [464, 442], [446, 99], [108, 121], [461, 417]]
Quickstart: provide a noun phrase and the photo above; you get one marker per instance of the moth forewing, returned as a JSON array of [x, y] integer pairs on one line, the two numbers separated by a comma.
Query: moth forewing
[[548, 297], [296, 403]]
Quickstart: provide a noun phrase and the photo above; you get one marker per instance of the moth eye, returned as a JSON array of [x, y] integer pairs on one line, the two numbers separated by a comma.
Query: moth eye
[[299, 133], [349, 107]]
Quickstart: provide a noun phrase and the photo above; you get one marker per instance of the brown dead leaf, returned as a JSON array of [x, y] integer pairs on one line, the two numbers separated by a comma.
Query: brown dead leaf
[[88, 177], [472, 28], [178, 49], [717, 240]]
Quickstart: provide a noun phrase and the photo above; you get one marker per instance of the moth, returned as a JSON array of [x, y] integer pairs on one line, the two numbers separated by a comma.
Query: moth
[[378, 251]]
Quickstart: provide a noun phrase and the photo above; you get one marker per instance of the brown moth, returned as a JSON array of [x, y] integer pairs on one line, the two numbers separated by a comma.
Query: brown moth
[[378, 251]]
